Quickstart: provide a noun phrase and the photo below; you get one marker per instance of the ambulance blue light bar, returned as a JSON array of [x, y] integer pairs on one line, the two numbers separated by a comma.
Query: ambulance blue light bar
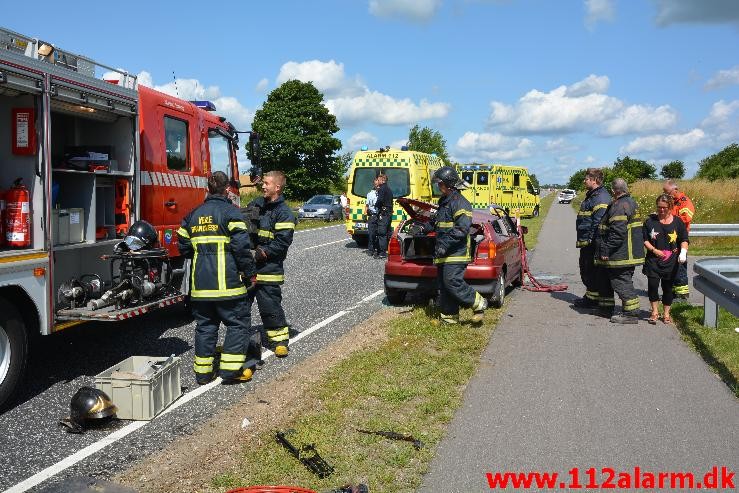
[[206, 105]]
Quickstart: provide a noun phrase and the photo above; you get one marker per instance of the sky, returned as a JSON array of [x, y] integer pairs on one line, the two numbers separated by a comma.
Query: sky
[[553, 85]]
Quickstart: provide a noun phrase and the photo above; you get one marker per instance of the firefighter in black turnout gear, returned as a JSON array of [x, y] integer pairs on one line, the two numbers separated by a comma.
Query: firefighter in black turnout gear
[[619, 249], [591, 212], [453, 249], [215, 237], [274, 224]]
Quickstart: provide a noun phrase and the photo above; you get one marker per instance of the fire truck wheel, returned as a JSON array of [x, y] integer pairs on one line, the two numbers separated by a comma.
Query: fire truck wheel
[[13, 351], [498, 295]]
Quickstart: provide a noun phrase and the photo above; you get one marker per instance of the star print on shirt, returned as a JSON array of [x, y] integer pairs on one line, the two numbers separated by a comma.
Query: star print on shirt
[[672, 236], [653, 235]]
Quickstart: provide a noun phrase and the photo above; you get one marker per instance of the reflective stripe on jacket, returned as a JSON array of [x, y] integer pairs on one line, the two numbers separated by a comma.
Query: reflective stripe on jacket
[[215, 237], [620, 236], [274, 236], [591, 212], [452, 226], [683, 208]]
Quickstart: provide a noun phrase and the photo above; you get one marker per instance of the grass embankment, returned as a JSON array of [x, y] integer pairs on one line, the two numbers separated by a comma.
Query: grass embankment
[[535, 223], [411, 384], [719, 347], [716, 202]]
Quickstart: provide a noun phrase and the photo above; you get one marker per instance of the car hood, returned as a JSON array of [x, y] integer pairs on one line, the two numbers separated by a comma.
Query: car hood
[[416, 209]]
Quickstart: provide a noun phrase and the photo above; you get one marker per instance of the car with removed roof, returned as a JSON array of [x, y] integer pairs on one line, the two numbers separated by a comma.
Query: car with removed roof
[[495, 254]]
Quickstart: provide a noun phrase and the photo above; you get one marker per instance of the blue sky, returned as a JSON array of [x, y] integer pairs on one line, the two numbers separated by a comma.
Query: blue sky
[[554, 85]]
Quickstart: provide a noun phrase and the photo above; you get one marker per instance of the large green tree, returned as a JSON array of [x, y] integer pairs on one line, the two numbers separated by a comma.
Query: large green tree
[[723, 164], [296, 132], [576, 181], [631, 169], [534, 180], [673, 169], [429, 141]]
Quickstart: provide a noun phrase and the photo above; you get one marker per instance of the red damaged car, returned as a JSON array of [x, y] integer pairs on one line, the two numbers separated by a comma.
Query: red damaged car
[[496, 254]]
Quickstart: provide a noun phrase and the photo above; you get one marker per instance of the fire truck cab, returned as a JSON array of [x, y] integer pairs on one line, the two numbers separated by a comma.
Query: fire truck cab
[[82, 158]]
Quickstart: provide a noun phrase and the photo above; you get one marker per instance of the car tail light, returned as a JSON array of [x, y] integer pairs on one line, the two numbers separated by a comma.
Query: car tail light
[[393, 248], [486, 249]]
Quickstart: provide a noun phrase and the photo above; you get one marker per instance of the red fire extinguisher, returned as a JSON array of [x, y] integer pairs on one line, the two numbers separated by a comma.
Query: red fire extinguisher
[[2, 218], [18, 216]]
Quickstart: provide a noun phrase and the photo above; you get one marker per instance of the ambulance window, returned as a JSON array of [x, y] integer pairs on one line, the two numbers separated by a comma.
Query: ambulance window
[[220, 152], [482, 178], [467, 176], [435, 190], [175, 133], [516, 180], [398, 179]]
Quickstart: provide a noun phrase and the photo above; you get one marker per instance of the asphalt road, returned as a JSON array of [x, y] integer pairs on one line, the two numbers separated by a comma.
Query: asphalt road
[[327, 276], [559, 389]]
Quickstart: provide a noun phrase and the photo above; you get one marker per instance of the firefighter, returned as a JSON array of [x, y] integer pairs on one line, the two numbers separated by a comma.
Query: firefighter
[[684, 209], [215, 237], [453, 249], [275, 228], [619, 249], [591, 212]]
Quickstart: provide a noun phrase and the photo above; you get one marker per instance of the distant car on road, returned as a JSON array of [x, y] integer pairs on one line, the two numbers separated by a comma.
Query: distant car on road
[[566, 196], [495, 252], [326, 207]]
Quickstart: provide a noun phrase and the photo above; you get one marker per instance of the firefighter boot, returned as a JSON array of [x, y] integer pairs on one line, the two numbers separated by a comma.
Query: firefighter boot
[[281, 350], [478, 308], [625, 318]]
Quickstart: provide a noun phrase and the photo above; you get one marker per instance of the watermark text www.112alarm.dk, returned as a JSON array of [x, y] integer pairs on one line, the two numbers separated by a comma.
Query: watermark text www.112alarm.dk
[[607, 478]]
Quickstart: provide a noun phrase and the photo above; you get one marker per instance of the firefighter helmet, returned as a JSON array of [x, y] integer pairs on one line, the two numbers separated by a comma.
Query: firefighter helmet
[[88, 403], [449, 177], [141, 235]]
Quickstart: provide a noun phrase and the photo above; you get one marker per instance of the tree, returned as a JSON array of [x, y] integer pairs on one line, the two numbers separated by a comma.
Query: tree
[[296, 132], [631, 169], [429, 141], [576, 180], [723, 164], [534, 180], [673, 169]]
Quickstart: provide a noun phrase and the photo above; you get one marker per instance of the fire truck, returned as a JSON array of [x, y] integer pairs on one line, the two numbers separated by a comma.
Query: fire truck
[[85, 152]]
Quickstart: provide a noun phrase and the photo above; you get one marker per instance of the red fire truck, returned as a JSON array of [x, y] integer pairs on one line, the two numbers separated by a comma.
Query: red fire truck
[[82, 159]]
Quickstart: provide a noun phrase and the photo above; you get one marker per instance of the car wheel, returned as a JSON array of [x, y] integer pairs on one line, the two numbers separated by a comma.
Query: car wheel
[[13, 351], [331, 217], [498, 296], [395, 296]]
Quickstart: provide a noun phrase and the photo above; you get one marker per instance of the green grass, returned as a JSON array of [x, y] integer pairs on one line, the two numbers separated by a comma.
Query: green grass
[[719, 347], [535, 223], [411, 384]]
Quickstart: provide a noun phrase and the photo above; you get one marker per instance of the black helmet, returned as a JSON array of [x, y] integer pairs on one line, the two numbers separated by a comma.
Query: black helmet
[[87, 403], [449, 177], [141, 235]]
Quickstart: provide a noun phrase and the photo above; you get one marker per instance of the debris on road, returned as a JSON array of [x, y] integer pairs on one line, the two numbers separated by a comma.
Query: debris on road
[[392, 435], [307, 454]]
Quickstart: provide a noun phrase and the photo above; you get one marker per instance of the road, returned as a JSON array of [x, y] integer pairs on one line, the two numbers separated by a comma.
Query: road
[[559, 388], [328, 278]]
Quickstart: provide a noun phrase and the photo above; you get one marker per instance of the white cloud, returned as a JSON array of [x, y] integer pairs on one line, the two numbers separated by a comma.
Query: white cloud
[[415, 10], [397, 144], [598, 10], [581, 106], [262, 85], [486, 147], [667, 145], [191, 89], [722, 123], [723, 78], [352, 102], [360, 139], [589, 160], [697, 11], [559, 145]]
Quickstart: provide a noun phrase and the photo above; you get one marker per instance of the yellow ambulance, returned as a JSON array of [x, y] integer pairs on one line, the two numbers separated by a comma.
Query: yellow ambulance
[[508, 186], [408, 175]]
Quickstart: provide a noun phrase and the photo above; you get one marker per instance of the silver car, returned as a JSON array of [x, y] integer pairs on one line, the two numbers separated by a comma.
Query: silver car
[[326, 207], [566, 196]]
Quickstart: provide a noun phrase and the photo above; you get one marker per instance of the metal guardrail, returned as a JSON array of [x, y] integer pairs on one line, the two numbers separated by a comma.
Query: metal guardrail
[[718, 279], [714, 230]]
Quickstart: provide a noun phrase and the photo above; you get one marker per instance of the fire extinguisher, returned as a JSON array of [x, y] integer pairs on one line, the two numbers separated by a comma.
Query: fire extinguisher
[[2, 218], [18, 216]]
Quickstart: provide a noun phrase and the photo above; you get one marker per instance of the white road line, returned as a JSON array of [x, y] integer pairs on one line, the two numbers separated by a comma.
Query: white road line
[[91, 449], [324, 244]]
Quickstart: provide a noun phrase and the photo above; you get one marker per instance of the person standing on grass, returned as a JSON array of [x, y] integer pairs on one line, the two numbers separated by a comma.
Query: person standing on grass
[[666, 242], [684, 209]]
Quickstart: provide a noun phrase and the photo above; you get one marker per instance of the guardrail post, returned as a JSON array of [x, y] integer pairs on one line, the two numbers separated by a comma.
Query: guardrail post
[[710, 313]]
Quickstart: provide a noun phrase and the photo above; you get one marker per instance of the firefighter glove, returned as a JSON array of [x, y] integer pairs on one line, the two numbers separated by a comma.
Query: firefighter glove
[[683, 256], [260, 255]]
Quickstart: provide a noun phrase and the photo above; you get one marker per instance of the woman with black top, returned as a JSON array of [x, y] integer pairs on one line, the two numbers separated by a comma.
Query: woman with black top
[[666, 242]]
